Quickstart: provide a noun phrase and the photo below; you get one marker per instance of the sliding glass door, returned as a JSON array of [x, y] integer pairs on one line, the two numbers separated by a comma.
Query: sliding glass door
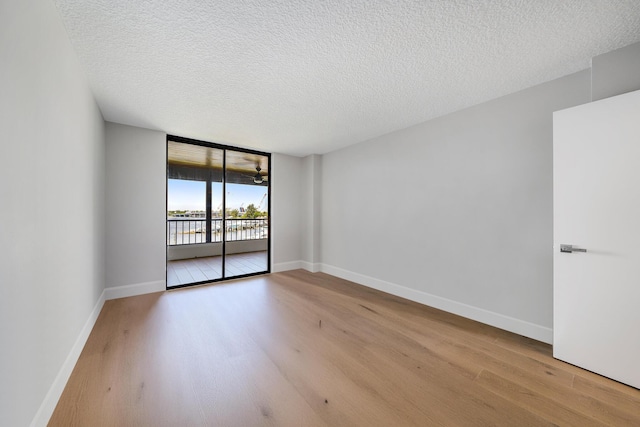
[[217, 212], [247, 221]]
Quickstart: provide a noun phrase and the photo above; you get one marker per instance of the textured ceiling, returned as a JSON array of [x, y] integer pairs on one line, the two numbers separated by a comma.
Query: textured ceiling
[[311, 76]]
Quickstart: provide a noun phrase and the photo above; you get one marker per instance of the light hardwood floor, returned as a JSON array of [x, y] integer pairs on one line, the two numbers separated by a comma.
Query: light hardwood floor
[[303, 349]]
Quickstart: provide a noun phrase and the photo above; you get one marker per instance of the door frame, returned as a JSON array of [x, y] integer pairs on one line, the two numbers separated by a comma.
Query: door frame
[[224, 148]]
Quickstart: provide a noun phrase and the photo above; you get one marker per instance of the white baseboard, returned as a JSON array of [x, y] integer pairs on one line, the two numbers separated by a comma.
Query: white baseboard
[[501, 321], [286, 266], [55, 391], [294, 265], [312, 267], [135, 289]]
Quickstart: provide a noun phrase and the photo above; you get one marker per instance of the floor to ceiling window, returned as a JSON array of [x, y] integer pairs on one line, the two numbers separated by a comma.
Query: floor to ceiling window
[[217, 212]]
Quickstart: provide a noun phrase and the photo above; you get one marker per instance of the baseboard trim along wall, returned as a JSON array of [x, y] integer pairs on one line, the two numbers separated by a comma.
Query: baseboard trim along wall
[[53, 395], [135, 289], [498, 320], [517, 326], [309, 266], [286, 266], [294, 265]]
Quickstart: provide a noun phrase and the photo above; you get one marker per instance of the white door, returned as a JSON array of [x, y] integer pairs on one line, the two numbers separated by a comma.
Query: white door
[[596, 207]]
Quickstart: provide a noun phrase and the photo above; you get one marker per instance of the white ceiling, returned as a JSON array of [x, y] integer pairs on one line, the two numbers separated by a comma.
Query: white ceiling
[[311, 76]]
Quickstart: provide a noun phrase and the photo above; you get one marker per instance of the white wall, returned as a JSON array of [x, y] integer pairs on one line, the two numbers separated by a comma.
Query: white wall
[[136, 210], [616, 72], [136, 205], [311, 202], [455, 212], [287, 221], [51, 210]]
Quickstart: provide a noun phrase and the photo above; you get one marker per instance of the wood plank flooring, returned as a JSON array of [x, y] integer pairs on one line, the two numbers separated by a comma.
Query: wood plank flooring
[[308, 349], [185, 271]]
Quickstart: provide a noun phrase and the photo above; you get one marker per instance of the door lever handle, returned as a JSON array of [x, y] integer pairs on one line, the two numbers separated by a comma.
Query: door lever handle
[[570, 249]]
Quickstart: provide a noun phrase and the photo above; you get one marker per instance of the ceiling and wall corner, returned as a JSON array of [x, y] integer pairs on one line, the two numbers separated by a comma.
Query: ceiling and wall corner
[[464, 205], [302, 77], [617, 72]]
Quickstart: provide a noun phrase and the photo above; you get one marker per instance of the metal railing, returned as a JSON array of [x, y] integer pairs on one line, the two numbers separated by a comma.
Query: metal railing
[[194, 231]]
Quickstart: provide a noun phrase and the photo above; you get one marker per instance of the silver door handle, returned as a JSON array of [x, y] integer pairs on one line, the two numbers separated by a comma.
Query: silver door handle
[[570, 249]]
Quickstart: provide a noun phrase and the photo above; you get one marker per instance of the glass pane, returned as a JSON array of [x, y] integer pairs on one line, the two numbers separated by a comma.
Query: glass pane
[[247, 214], [194, 191], [186, 205]]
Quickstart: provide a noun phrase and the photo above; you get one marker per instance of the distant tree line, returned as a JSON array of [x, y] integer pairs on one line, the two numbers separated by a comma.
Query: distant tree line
[[251, 212]]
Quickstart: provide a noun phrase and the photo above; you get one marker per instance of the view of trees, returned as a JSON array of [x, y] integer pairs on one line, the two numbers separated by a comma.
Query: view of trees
[[252, 212]]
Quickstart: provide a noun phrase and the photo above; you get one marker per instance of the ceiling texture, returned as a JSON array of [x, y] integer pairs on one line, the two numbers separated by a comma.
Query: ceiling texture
[[311, 76]]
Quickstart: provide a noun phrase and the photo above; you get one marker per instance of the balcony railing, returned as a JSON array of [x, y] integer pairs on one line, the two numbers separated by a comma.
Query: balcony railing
[[194, 231]]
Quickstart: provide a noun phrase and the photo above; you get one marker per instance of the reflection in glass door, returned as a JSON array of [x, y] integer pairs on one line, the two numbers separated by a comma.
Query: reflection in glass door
[[217, 212]]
